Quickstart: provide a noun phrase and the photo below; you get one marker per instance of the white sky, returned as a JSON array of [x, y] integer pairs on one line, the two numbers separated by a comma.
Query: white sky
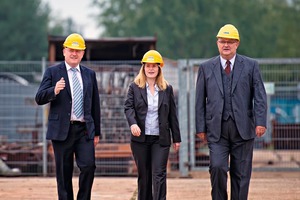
[[79, 11]]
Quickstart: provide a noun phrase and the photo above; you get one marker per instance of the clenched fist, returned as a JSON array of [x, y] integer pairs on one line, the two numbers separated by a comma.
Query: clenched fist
[[60, 85]]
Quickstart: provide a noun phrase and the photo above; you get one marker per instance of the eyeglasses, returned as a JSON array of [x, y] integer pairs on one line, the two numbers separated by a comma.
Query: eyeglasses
[[229, 42], [74, 50]]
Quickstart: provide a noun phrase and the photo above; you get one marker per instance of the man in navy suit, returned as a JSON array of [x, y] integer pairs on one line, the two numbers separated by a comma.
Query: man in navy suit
[[73, 122], [231, 110]]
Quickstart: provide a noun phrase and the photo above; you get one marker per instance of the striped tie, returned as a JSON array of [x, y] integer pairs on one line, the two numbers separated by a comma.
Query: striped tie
[[77, 95]]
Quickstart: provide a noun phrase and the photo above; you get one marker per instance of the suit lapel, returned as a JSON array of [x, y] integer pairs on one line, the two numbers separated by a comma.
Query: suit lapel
[[217, 72], [85, 79], [63, 73], [161, 95], [237, 70], [144, 94]]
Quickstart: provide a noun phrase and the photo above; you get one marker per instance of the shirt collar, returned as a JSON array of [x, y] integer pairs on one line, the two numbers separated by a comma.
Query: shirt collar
[[69, 67], [155, 86], [223, 61]]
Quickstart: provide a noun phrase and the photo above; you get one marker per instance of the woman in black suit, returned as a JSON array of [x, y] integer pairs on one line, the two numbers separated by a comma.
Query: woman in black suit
[[151, 114]]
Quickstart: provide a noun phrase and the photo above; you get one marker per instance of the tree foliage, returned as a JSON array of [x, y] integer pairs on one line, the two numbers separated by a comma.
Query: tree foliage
[[187, 29], [23, 26]]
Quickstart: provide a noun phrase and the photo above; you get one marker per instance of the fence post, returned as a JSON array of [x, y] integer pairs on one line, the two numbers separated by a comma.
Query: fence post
[[192, 114], [183, 117], [45, 160]]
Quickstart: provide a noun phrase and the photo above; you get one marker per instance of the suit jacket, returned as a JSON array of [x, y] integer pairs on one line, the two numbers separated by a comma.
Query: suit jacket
[[61, 104], [136, 106], [249, 101]]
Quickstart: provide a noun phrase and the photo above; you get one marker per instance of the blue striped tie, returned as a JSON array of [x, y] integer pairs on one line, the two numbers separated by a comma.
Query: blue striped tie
[[77, 95]]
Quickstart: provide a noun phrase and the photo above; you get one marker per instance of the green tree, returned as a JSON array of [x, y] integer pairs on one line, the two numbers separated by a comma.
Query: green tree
[[187, 29], [287, 40], [23, 26]]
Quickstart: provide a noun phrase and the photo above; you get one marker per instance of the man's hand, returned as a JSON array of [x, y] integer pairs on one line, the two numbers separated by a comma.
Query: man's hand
[[60, 85], [202, 136], [176, 146], [260, 130], [96, 140]]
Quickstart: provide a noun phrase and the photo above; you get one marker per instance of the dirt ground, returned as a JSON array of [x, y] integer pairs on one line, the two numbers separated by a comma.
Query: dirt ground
[[264, 186]]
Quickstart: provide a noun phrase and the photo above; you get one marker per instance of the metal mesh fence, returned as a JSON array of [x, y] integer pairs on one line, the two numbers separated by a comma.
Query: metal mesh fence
[[20, 117], [279, 148], [22, 122]]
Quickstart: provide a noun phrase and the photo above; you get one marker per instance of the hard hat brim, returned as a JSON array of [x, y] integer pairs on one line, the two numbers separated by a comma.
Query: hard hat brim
[[225, 37], [76, 48], [160, 64]]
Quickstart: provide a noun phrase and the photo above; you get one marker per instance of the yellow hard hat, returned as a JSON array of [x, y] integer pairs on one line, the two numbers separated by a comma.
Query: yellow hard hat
[[228, 31], [153, 56], [75, 41]]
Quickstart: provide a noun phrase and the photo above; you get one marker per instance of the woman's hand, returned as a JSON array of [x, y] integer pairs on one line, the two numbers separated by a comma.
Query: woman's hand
[[135, 130]]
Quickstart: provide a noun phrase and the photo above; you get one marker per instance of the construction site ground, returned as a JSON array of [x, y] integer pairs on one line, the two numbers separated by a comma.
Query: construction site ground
[[264, 185]]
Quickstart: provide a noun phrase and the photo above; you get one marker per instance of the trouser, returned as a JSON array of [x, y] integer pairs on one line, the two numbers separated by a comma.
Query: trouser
[[151, 159], [240, 152], [76, 143]]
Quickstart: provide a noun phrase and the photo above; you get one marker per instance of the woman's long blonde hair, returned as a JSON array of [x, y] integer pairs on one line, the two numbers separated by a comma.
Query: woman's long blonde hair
[[141, 78]]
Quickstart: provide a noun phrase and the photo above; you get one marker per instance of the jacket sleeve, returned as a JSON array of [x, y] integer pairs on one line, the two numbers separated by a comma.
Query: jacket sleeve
[[200, 101], [96, 113], [45, 93], [129, 106], [173, 119], [260, 98]]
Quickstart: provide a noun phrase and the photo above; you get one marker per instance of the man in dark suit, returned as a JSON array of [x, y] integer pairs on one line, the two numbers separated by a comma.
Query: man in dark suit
[[231, 110], [74, 118]]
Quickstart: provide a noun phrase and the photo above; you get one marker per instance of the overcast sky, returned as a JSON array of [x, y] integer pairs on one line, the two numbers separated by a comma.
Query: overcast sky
[[79, 11]]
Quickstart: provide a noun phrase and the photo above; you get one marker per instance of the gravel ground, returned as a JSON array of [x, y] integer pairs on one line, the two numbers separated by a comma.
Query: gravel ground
[[264, 185]]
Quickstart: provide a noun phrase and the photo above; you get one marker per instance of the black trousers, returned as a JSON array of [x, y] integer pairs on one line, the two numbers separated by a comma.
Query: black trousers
[[76, 144], [151, 159], [231, 153]]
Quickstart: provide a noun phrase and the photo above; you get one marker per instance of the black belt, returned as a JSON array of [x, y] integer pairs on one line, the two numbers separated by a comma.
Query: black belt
[[77, 122]]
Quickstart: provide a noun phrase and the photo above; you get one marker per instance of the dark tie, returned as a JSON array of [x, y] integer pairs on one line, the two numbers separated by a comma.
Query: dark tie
[[77, 95], [227, 68]]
